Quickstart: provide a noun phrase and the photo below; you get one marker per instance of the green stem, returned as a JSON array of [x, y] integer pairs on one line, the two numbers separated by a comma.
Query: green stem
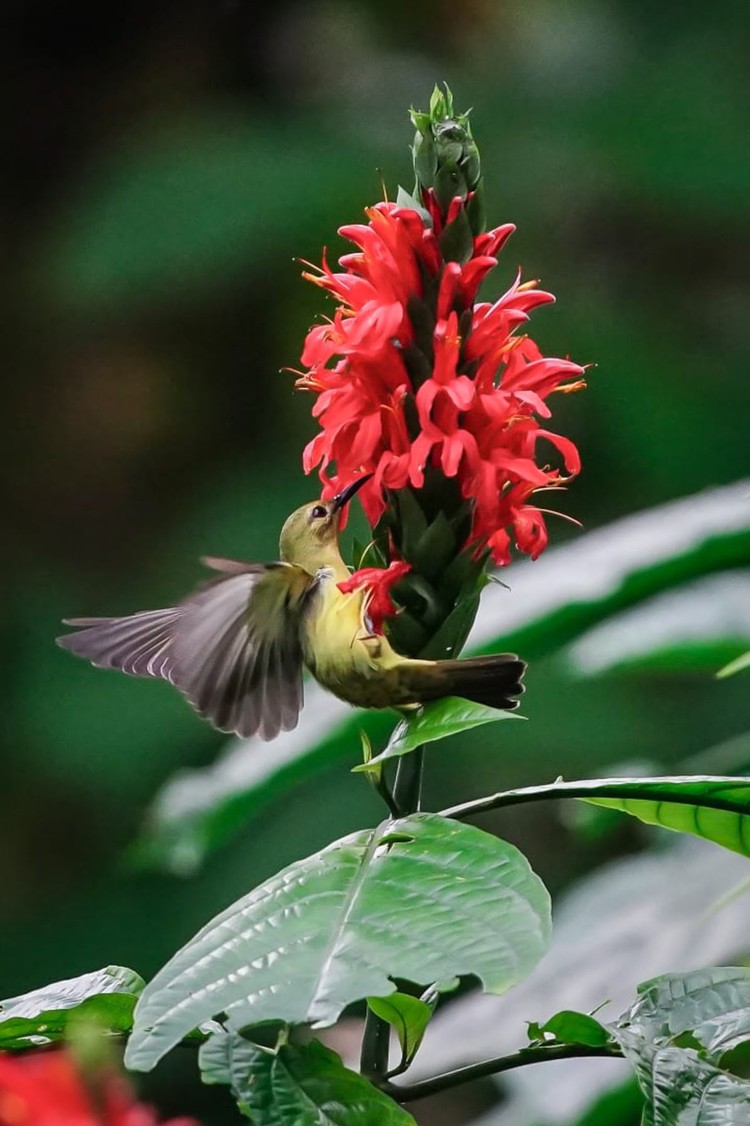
[[522, 1058], [407, 788], [376, 1041], [406, 798]]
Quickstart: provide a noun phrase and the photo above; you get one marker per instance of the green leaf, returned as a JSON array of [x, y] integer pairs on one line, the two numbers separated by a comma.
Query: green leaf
[[708, 1010], [712, 1004], [682, 1089], [738, 665], [408, 1016], [105, 996], [717, 809], [421, 898], [569, 1027], [434, 721], [297, 1085], [698, 625], [552, 601]]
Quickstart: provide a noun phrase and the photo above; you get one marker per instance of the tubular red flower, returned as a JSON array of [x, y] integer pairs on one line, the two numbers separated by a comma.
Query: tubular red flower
[[377, 583], [413, 373]]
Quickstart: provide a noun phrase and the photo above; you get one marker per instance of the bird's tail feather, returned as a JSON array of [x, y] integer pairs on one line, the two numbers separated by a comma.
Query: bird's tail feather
[[493, 681]]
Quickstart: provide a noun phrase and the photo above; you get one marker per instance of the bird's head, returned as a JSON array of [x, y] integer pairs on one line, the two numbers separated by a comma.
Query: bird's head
[[310, 535]]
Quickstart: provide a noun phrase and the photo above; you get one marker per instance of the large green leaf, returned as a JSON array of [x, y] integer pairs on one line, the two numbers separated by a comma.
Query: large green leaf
[[717, 809], [421, 898], [677, 1033], [105, 996], [551, 602], [438, 720], [296, 1085]]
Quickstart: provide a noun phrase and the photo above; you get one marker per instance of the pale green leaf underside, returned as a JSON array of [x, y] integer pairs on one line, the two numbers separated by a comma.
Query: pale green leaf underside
[[421, 898], [715, 808], [438, 720], [106, 996], [712, 1004], [683, 1085], [305, 1085], [684, 1090]]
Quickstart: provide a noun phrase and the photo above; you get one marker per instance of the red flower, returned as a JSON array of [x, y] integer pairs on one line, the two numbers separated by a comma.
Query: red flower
[[377, 583], [412, 372], [43, 1088]]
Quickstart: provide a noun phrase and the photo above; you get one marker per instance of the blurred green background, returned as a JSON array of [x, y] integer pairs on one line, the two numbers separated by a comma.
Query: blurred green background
[[165, 165]]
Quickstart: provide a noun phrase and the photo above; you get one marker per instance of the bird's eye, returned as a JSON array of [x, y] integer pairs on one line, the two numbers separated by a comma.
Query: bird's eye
[[319, 512]]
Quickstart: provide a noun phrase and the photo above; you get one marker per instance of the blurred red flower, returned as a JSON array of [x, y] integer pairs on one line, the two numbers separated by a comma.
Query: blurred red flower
[[413, 372], [44, 1088]]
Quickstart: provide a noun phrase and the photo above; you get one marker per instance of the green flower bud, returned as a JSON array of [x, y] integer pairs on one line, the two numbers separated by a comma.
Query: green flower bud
[[445, 155]]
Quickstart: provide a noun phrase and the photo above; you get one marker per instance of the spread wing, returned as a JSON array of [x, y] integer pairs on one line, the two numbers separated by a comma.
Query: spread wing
[[237, 649], [232, 647], [140, 645]]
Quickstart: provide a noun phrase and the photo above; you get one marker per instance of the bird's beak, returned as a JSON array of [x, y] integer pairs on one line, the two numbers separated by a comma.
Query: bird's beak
[[346, 494]]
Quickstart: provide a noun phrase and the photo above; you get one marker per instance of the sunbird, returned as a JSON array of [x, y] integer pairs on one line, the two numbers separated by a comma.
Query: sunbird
[[236, 646]]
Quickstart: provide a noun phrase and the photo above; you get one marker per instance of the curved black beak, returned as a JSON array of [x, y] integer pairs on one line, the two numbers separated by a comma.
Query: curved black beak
[[346, 494]]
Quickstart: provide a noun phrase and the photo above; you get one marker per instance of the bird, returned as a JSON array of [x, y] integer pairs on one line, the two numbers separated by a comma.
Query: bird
[[237, 646]]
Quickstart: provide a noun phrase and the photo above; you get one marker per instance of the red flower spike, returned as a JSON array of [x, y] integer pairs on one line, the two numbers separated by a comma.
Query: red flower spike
[[474, 411], [377, 583]]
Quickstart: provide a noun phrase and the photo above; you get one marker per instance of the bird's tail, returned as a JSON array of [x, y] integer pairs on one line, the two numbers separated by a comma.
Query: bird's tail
[[493, 681]]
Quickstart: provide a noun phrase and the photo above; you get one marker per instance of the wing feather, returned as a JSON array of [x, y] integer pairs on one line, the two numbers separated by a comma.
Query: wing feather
[[232, 647], [139, 645], [237, 650]]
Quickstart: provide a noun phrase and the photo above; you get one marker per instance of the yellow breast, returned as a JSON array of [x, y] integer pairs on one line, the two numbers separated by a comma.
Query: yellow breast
[[338, 647]]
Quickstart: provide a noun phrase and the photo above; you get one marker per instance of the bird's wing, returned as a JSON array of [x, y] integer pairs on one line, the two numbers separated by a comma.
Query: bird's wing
[[140, 645], [237, 651]]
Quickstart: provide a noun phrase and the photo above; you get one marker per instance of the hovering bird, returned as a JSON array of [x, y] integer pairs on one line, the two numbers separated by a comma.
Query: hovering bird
[[237, 645]]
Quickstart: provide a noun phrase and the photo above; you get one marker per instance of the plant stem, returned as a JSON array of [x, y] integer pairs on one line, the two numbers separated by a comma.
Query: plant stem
[[376, 1041], [522, 1058], [407, 788], [406, 798]]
